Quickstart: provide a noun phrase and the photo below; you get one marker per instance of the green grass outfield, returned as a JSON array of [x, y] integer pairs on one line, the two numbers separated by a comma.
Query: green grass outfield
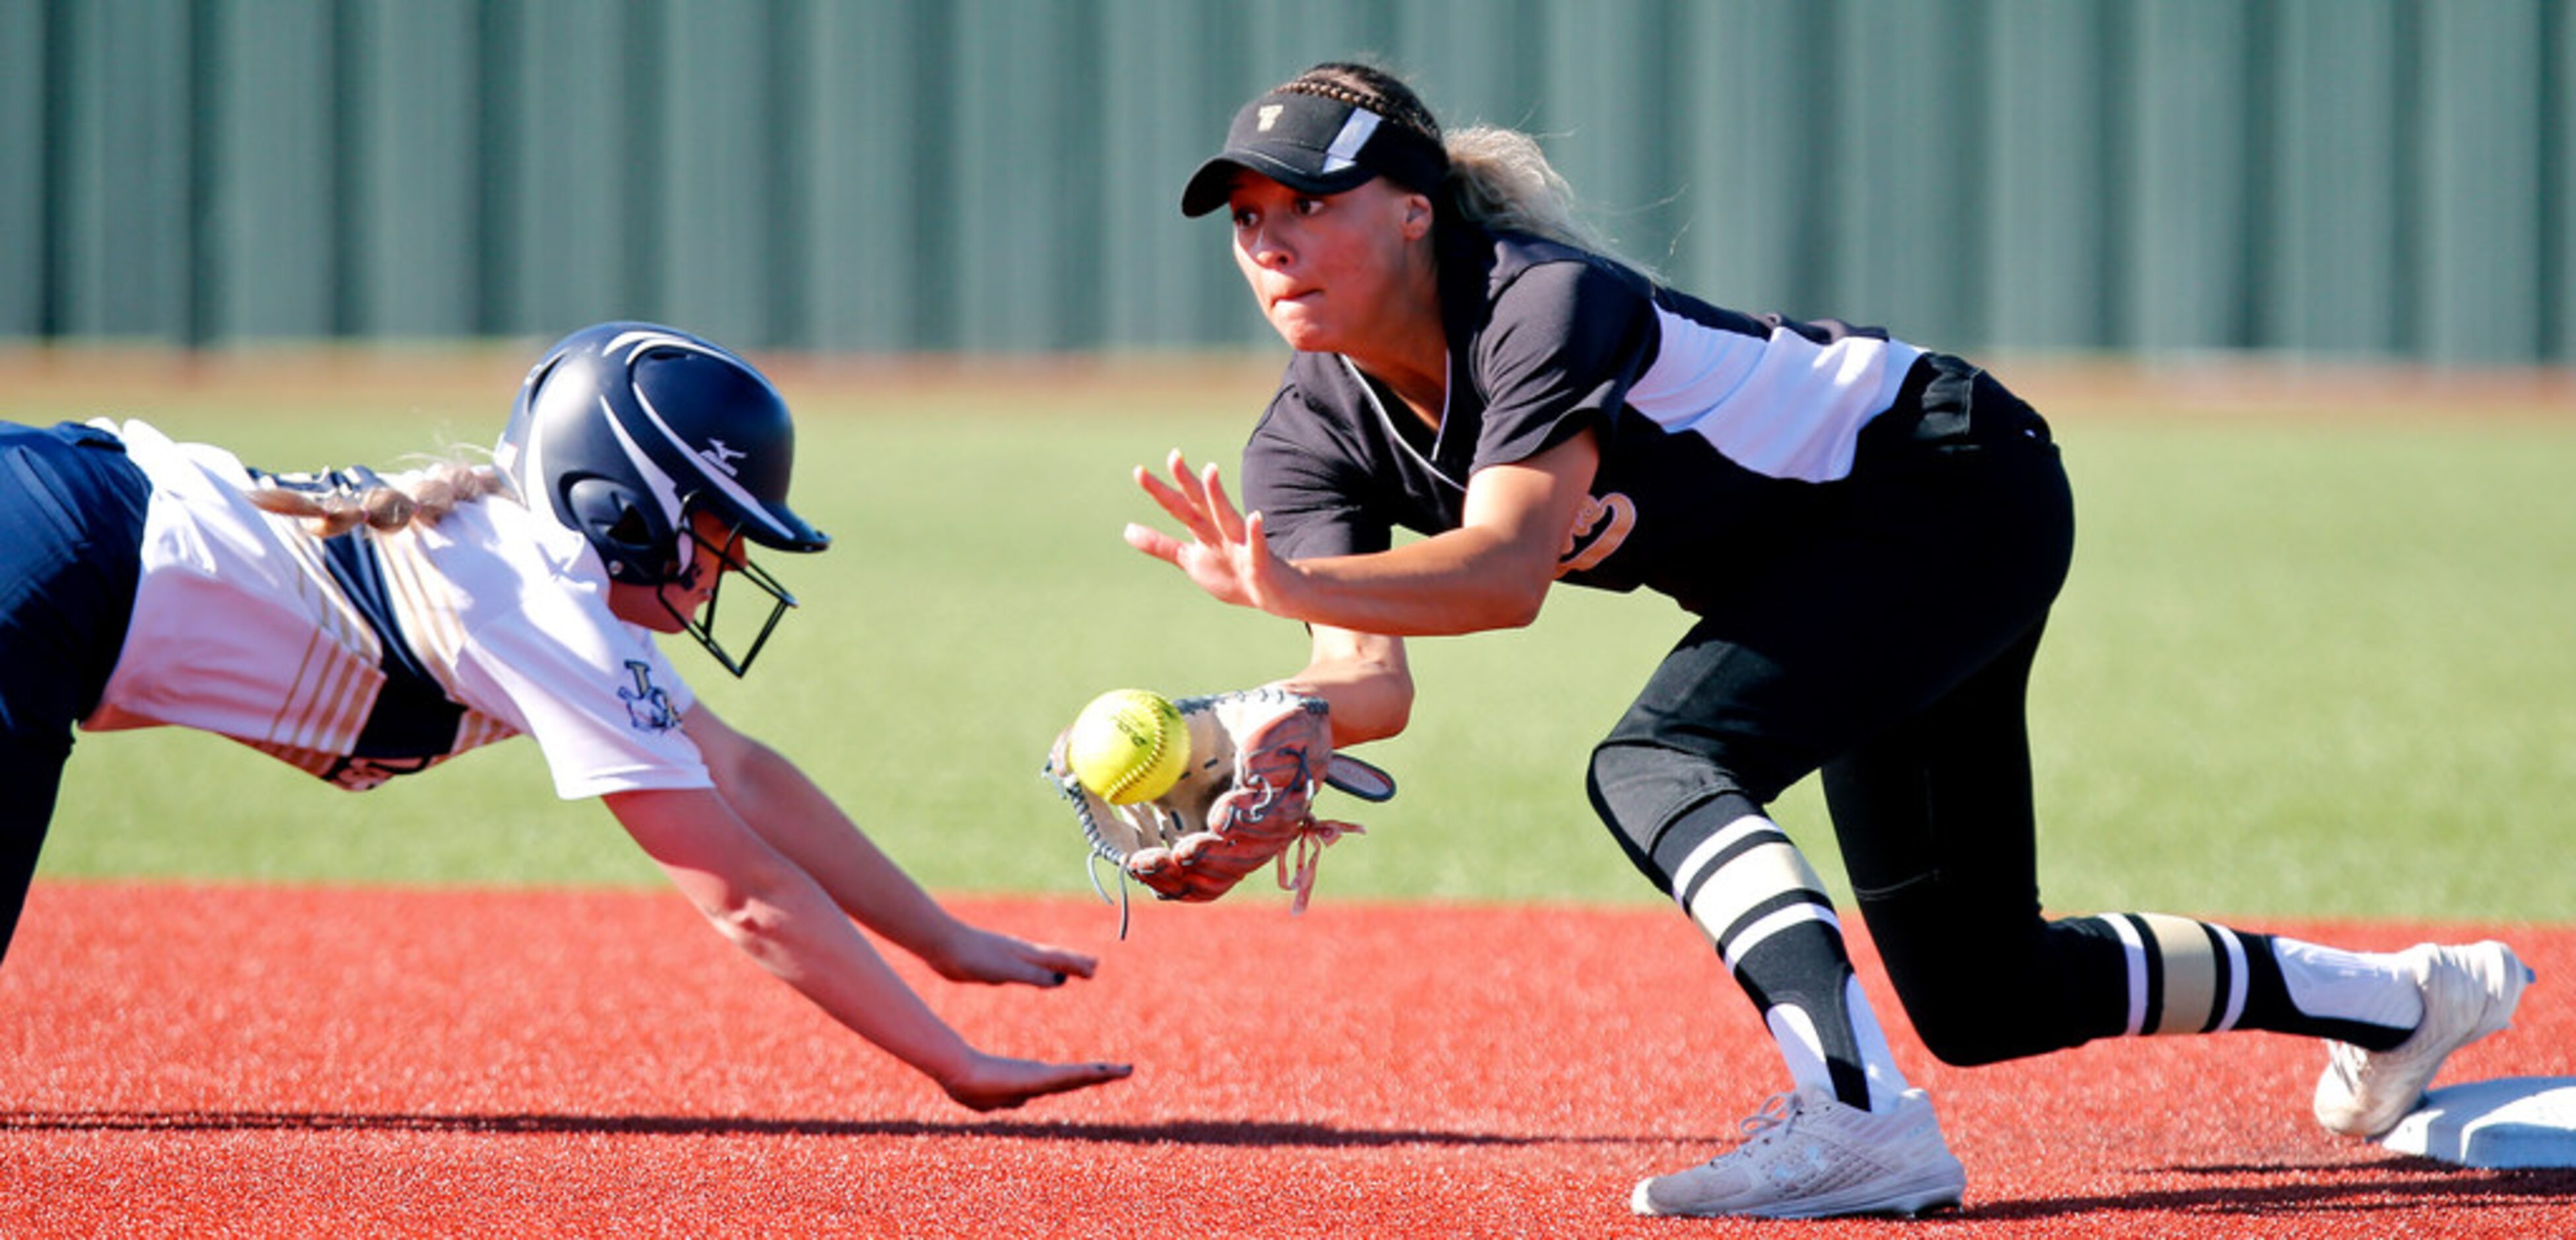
[[2313, 661]]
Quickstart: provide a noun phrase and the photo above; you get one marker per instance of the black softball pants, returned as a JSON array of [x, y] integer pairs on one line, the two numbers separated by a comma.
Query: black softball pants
[[1890, 647]]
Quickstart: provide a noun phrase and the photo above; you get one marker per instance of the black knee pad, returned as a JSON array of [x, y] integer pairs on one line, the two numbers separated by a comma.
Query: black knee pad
[[1639, 855], [1640, 790]]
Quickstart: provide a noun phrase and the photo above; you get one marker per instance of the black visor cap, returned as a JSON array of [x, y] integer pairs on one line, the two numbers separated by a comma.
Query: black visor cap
[[1313, 145]]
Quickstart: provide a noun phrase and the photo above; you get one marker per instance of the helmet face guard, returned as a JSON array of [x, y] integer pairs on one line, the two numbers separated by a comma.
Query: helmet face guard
[[733, 562], [625, 429]]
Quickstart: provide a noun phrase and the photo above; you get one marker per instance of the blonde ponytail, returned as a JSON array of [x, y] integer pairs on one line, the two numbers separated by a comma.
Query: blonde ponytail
[[426, 496], [1500, 180]]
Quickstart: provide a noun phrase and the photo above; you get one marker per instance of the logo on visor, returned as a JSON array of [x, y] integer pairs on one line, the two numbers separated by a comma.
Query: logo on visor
[[1270, 115]]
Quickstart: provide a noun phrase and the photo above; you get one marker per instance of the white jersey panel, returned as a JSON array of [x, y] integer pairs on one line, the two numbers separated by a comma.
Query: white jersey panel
[[521, 633], [236, 629], [1783, 405]]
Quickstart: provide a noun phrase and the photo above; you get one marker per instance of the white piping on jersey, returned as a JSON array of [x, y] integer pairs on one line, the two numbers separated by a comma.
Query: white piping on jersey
[[1782, 405], [336, 677], [1369, 394]]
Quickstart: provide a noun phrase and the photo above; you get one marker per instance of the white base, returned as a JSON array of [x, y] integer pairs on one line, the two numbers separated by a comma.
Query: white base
[[2519, 1121]]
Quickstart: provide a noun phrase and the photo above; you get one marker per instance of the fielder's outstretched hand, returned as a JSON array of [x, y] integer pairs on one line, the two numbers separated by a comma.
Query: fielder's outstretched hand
[[995, 1083], [1227, 555]]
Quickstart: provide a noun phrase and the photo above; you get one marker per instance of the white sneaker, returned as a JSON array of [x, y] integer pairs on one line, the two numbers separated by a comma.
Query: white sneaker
[[2469, 992], [1811, 1157]]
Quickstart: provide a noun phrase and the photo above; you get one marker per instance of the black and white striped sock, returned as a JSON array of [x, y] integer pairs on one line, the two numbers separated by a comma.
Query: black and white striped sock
[[2190, 976], [1750, 890]]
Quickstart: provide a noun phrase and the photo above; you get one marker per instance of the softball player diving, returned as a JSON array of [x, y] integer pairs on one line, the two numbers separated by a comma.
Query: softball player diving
[[1868, 535], [362, 627]]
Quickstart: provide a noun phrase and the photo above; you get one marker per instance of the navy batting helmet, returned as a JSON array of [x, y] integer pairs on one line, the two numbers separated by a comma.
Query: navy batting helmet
[[622, 431]]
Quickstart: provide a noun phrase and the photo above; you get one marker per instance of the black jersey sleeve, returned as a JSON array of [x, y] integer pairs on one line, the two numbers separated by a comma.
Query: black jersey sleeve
[[1305, 475], [1565, 341]]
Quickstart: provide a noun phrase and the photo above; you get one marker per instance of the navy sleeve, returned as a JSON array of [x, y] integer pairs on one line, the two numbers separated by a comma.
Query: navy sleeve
[[1565, 341], [1302, 473]]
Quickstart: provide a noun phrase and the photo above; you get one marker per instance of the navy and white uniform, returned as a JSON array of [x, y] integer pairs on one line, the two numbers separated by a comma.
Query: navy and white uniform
[[356, 658], [1869, 536]]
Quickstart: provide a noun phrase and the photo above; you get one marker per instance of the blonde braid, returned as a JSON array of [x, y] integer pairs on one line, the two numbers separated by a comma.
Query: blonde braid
[[1369, 87], [426, 496]]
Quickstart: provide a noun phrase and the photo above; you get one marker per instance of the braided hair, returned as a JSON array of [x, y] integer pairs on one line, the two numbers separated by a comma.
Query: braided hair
[[1499, 179], [341, 502]]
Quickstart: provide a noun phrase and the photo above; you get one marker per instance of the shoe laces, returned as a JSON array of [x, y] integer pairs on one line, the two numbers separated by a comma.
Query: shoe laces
[[1777, 1112]]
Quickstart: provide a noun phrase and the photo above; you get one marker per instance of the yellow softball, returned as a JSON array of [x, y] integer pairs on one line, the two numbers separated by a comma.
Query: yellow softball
[[1129, 745]]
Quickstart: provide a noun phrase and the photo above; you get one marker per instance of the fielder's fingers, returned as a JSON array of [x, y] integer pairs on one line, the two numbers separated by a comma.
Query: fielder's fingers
[[1220, 509], [1263, 570], [1155, 543], [1178, 467], [1183, 508], [1187, 481]]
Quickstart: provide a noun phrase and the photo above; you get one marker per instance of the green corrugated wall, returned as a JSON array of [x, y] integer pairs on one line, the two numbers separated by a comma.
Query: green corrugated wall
[[2366, 178]]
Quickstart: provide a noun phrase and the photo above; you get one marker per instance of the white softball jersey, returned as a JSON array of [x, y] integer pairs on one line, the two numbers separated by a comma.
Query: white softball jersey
[[375, 654]]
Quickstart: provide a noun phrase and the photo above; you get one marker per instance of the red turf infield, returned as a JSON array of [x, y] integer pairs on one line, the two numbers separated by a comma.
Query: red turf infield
[[185, 1060]]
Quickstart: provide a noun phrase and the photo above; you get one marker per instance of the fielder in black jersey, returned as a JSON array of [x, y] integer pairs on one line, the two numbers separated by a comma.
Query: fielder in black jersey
[[1869, 535]]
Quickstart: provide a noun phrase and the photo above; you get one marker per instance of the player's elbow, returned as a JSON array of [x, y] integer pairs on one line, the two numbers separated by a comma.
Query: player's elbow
[[1502, 600], [1518, 608], [1517, 585]]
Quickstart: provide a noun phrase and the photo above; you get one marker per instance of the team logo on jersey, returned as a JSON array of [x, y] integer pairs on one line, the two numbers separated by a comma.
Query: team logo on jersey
[[648, 707], [722, 457], [1604, 523]]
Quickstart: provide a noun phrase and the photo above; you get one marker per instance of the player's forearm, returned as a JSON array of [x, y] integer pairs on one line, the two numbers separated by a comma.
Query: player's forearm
[[1492, 572], [772, 910], [803, 823], [1365, 678], [1463, 581], [797, 936]]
